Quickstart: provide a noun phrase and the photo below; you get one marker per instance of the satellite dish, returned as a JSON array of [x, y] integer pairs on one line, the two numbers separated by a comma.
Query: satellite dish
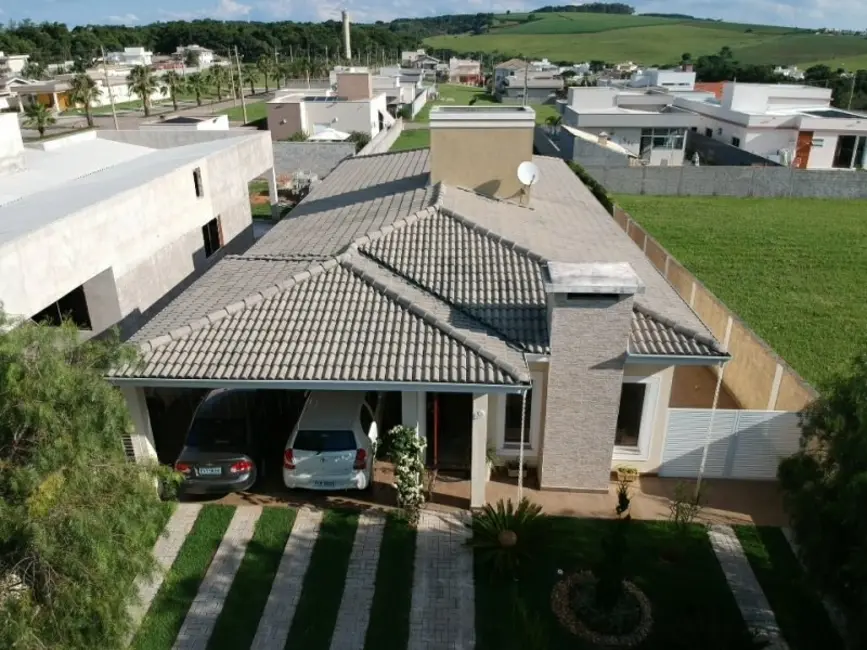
[[528, 173]]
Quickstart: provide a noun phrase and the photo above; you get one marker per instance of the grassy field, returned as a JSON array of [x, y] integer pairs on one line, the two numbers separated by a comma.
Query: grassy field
[[651, 40], [256, 110], [411, 139], [457, 95], [793, 269]]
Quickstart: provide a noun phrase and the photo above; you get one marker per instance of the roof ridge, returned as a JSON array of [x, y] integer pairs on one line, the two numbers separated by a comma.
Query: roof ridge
[[254, 298], [448, 329], [704, 339], [494, 236]]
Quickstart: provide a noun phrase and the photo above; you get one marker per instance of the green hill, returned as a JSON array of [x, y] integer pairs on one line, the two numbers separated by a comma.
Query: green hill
[[653, 40]]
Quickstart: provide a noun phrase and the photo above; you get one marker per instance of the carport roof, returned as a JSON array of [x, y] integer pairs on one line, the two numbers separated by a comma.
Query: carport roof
[[377, 276]]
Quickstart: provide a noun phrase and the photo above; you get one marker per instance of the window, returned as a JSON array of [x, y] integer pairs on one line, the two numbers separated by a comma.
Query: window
[[661, 139], [512, 435], [694, 129], [324, 441], [72, 306], [213, 236], [708, 133], [629, 416], [736, 142], [197, 181]]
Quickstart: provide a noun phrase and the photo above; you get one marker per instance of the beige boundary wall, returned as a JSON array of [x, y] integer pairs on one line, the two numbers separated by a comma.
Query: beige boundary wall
[[756, 376]]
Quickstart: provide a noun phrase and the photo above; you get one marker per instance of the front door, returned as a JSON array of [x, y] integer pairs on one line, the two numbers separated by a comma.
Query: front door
[[449, 430], [802, 150]]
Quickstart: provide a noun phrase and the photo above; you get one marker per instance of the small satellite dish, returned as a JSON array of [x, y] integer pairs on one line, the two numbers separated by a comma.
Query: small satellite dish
[[528, 173]]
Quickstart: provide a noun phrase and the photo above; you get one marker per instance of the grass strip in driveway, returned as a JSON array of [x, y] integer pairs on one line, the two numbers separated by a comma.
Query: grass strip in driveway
[[166, 614], [239, 619], [316, 614], [388, 628], [796, 604]]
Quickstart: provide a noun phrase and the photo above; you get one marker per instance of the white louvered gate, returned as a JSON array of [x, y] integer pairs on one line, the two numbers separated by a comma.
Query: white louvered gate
[[743, 444]]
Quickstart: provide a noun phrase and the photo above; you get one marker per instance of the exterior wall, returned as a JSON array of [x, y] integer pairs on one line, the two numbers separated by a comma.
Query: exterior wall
[[589, 154], [160, 138], [588, 342], [354, 85], [383, 140], [11, 145], [483, 159], [351, 116], [285, 119], [515, 95], [419, 101]]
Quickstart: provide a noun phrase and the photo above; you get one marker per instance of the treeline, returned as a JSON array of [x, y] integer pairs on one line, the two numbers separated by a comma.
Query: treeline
[[54, 42], [588, 8]]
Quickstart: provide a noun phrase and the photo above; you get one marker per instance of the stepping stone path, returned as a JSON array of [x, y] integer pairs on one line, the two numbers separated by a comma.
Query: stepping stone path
[[751, 600], [443, 595], [202, 616], [354, 613], [286, 589]]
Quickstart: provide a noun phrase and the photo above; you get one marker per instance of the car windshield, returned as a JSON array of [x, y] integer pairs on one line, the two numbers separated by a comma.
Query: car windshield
[[220, 422], [320, 441]]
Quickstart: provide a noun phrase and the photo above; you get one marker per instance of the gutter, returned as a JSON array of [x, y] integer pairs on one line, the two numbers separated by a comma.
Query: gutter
[[677, 360], [317, 385]]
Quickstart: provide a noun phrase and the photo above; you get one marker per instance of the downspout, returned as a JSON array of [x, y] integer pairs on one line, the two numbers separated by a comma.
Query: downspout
[[521, 447], [719, 378]]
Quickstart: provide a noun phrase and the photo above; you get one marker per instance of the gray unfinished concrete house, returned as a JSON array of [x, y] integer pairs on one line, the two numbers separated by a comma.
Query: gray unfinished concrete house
[[489, 316], [104, 227]]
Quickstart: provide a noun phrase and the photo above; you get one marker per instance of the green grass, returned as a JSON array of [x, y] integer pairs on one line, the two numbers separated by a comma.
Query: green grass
[[580, 23], [256, 110], [316, 613], [236, 627], [797, 607], [457, 95], [388, 628], [259, 210], [166, 615], [793, 269], [411, 139], [692, 604]]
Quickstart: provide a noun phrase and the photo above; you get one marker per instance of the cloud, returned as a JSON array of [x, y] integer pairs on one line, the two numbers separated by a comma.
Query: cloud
[[228, 9], [123, 19], [224, 10]]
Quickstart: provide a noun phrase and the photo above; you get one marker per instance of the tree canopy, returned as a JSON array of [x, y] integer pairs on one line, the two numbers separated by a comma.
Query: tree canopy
[[77, 519], [825, 492]]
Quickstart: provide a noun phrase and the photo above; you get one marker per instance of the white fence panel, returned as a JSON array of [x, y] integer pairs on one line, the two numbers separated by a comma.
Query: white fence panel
[[743, 444]]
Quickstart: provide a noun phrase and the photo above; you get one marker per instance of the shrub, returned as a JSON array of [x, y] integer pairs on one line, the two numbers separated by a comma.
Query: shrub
[[685, 507], [595, 187], [407, 451], [507, 537], [360, 139]]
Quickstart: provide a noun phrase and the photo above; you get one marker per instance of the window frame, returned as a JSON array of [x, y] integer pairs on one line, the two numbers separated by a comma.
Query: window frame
[[736, 141], [198, 183], [206, 236], [531, 443], [641, 451]]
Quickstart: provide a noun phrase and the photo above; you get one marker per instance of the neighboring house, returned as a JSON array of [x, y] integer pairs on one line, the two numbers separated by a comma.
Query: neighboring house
[[56, 94], [506, 69], [400, 93], [353, 107], [419, 59], [536, 90], [675, 80], [14, 63], [489, 317], [593, 149], [646, 124], [785, 123], [205, 56], [103, 226], [130, 56], [465, 71], [9, 98], [544, 65]]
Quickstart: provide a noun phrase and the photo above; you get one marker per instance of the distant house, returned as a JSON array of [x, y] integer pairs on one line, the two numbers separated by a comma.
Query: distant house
[[419, 59], [14, 63], [204, 56], [506, 69], [130, 56], [465, 71], [680, 79], [55, 94], [536, 90]]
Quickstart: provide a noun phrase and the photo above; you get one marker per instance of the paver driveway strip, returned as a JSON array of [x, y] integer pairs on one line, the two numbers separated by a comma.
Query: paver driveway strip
[[443, 594], [165, 551], [354, 613], [205, 609], [746, 589], [286, 589]]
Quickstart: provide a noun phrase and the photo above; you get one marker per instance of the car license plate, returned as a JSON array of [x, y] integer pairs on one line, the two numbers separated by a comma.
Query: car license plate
[[210, 471], [323, 483]]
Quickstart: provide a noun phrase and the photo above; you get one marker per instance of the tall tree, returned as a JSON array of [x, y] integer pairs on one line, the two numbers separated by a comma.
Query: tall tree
[[37, 116], [77, 520], [172, 85], [84, 90], [143, 83], [218, 77], [266, 66], [198, 85], [249, 76]]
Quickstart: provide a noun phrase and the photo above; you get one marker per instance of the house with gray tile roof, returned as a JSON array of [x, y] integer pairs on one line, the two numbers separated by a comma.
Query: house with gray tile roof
[[503, 316]]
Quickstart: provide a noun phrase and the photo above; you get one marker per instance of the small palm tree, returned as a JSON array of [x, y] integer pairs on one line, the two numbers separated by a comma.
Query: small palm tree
[[198, 85], [143, 83], [84, 91], [38, 117], [249, 77], [218, 78], [266, 66], [172, 85]]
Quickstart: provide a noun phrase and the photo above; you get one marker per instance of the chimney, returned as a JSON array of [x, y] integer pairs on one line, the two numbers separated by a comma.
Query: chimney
[[686, 67], [589, 320], [603, 138], [479, 148], [11, 145], [346, 46], [354, 83]]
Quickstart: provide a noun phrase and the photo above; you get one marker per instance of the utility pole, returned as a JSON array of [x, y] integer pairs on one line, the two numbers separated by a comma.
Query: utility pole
[[232, 82], [108, 86], [243, 101], [526, 74], [851, 91], [291, 57]]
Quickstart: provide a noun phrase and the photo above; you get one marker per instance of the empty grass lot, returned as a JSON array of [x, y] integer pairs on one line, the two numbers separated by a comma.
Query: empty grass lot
[[411, 139], [793, 269], [457, 95], [256, 110]]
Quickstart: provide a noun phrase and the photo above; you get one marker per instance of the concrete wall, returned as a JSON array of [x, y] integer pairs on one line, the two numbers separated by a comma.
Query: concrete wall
[[361, 115], [11, 145], [732, 181], [165, 138], [315, 157], [419, 101], [756, 377], [715, 152], [547, 143], [534, 96], [383, 140]]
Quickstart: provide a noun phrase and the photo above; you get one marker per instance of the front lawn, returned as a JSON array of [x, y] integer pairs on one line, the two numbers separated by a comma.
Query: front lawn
[[411, 139], [793, 269], [256, 110], [692, 605]]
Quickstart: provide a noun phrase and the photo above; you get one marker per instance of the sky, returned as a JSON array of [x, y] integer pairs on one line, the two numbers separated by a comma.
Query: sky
[[843, 14]]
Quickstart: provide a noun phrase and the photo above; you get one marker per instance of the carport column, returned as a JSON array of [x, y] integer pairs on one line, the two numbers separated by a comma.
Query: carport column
[[478, 464], [272, 192], [142, 436], [412, 411]]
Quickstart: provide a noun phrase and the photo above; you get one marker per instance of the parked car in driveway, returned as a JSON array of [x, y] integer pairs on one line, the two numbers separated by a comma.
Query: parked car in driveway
[[332, 446], [231, 437]]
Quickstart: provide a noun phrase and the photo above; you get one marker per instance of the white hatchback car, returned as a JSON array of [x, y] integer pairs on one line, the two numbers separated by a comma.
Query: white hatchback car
[[331, 447]]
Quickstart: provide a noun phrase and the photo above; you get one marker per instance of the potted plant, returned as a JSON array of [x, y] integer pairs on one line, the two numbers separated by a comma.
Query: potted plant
[[491, 461], [626, 473], [512, 469]]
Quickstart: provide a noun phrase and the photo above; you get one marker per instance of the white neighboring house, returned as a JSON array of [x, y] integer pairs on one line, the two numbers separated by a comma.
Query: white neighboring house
[[14, 63], [104, 226], [205, 56], [646, 124], [786, 123], [789, 72], [676, 80], [131, 56]]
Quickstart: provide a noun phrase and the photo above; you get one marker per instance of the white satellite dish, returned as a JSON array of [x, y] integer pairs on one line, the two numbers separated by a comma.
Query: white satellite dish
[[528, 173]]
